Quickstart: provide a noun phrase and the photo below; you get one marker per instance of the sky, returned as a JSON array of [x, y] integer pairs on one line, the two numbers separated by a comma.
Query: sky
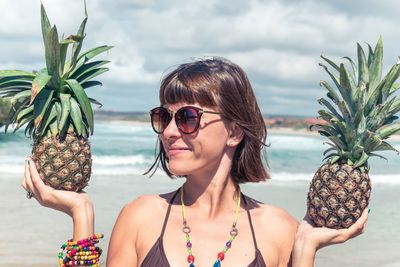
[[277, 43]]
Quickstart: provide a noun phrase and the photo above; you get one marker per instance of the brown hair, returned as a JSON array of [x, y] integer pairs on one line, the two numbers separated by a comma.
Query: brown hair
[[217, 82]]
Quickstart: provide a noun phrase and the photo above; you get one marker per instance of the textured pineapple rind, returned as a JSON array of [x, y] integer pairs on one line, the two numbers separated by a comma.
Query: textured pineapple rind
[[63, 164], [338, 195]]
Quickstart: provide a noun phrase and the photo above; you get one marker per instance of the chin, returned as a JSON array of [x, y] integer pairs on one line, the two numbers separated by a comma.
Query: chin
[[178, 173], [179, 170]]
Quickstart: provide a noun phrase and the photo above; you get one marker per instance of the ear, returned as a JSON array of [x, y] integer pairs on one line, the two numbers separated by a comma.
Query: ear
[[236, 135]]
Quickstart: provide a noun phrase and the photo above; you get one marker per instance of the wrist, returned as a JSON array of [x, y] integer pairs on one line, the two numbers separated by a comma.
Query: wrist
[[83, 220], [83, 208]]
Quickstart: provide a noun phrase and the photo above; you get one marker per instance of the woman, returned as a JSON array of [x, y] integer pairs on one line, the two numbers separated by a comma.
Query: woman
[[211, 132]]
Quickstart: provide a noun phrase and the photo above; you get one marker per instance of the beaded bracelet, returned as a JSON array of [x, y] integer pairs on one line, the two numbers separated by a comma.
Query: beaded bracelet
[[81, 253]]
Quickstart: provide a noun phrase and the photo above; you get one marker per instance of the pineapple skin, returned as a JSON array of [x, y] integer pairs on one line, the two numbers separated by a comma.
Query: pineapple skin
[[338, 195], [63, 164]]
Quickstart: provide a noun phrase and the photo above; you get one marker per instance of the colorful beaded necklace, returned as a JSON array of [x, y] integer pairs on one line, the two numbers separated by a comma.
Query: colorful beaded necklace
[[186, 230]]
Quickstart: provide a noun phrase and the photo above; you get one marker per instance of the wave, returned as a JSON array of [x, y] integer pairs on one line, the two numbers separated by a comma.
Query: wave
[[389, 178], [121, 166], [102, 165], [292, 142], [121, 160]]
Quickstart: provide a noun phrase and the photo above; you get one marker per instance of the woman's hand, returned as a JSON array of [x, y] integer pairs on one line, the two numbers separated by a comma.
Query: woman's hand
[[309, 238], [76, 205]]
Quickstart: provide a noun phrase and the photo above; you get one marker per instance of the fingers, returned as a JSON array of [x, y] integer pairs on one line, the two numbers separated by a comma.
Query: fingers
[[36, 181], [42, 191], [23, 183], [359, 226], [33, 183], [27, 182], [355, 230], [308, 219]]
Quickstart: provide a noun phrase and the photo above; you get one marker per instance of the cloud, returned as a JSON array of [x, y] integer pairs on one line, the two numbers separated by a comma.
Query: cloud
[[277, 43]]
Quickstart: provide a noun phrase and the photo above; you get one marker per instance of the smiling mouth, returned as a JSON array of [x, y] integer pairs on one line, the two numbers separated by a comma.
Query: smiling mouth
[[174, 151]]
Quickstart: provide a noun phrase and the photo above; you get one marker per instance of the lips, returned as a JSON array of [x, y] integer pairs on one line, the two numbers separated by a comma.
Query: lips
[[175, 150]]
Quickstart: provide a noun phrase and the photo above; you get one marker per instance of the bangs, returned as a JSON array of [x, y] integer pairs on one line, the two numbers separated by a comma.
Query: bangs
[[188, 86]]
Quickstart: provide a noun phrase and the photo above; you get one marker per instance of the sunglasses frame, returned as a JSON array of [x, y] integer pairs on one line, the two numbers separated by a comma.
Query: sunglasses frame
[[172, 115]]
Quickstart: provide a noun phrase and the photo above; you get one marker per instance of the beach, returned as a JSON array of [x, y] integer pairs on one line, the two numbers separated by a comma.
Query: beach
[[31, 235]]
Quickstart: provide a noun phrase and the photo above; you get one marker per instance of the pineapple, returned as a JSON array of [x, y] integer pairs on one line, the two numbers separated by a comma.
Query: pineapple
[[55, 108], [359, 117]]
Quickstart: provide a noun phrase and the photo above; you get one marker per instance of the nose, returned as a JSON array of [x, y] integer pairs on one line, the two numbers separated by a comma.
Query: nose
[[171, 130]]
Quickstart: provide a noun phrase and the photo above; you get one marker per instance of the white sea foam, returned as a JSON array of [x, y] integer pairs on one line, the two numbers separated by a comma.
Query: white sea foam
[[392, 178], [102, 165], [300, 142], [118, 171], [121, 160], [397, 146], [293, 142], [137, 165], [15, 168]]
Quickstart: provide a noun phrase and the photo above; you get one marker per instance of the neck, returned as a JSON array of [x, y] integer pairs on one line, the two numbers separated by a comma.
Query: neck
[[210, 196]]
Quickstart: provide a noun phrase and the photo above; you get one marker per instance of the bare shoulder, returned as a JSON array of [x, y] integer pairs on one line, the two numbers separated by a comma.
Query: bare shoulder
[[277, 216], [133, 231], [267, 214], [143, 203], [146, 208], [275, 229]]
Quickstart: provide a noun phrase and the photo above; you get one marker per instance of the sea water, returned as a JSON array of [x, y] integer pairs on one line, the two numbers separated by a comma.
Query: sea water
[[121, 149]]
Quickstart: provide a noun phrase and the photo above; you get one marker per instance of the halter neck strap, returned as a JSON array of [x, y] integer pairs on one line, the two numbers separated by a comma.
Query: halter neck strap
[[168, 212]]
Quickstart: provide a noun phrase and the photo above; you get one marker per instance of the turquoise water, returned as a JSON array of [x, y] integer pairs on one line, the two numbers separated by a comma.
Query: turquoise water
[[128, 149]]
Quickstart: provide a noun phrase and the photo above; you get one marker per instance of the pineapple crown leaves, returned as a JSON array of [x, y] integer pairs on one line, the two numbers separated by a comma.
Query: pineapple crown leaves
[[360, 109], [53, 100]]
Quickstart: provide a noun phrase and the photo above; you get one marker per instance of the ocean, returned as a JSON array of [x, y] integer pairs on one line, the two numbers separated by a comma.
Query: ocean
[[123, 149], [30, 235]]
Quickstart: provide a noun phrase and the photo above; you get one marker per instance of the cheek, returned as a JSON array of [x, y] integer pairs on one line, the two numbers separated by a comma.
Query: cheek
[[212, 145]]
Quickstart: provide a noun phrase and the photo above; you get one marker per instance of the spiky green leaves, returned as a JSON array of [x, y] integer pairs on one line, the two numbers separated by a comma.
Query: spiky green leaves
[[4, 109], [83, 102], [38, 83], [53, 100], [359, 114], [17, 85]]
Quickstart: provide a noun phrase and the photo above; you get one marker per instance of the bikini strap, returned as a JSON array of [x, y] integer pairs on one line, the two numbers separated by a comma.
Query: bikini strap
[[251, 223], [168, 211]]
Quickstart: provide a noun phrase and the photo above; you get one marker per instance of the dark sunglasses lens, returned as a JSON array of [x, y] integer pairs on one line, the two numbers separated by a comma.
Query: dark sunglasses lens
[[160, 119], [187, 120]]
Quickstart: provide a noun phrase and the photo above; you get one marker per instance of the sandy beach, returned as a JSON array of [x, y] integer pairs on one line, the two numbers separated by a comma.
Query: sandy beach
[[31, 234]]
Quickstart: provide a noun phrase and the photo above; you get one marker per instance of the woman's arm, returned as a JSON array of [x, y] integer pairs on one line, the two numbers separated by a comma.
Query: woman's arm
[[122, 249], [309, 239], [77, 205], [133, 232]]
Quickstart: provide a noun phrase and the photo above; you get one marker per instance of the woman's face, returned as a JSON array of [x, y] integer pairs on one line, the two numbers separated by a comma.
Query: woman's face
[[199, 152]]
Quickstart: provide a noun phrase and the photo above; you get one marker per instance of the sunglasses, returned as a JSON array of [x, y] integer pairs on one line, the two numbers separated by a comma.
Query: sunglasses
[[187, 118]]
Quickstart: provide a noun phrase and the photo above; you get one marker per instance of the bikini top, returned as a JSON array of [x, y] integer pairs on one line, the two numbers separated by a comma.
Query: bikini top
[[156, 256]]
